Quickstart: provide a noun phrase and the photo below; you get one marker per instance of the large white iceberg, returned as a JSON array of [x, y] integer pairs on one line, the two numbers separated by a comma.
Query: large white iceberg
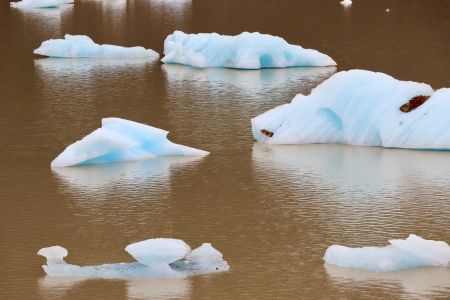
[[161, 257], [412, 252], [361, 108], [84, 46], [121, 140], [244, 51], [40, 3]]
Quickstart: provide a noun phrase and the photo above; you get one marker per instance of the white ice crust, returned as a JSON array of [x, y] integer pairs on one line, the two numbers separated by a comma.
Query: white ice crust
[[244, 51], [360, 107], [40, 3], [156, 258], [121, 140], [412, 252], [83, 46]]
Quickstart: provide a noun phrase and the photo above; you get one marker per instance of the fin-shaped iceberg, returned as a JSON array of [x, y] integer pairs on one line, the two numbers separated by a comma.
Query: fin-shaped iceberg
[[244, 51], [40, 3], [84, 46], [161, 257], [412, 252], [121, 140], [364, 108]]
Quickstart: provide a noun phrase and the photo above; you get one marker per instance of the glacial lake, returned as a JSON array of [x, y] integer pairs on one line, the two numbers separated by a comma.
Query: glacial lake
[[271, 210]]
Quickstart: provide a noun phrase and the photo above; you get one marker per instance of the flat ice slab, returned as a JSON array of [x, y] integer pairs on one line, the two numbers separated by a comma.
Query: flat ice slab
[[161, 257], [83, 46], [121, 140], [360, 107], [412, 252], [40, 3], [244, 51]]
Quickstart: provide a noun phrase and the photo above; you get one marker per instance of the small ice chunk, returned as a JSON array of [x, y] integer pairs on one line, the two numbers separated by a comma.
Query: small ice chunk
[[244, 51], [346, 2], [388, 10], [40, 3], [156, 258], [121, 140], [362, 108], [160, 250], [54, 255], [410, 253], [82, 46]]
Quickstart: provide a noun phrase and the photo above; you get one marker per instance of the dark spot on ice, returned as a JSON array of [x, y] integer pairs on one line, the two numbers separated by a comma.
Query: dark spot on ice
[[267, 132], [217, 268], [413, 103]]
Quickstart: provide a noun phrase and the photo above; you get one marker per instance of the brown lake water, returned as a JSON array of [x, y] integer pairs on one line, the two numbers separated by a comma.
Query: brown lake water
[[272, 211]]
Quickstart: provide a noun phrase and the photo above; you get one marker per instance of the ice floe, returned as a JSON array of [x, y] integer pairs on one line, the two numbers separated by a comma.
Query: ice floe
[[121, 140], [84, 46], [244, 51], [409, 253], [364, 108], [40, 3], [161, 257], [346, 2]]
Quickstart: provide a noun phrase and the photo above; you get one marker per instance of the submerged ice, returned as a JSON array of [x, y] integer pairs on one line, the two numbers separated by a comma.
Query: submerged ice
[[83, 46], [410, 253], [244, 51], [161, 257], [361, 108], [40, 3], [121, 140]]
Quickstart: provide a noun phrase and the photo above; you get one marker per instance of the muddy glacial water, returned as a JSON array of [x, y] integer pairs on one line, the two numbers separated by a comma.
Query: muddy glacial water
[[272, 211]]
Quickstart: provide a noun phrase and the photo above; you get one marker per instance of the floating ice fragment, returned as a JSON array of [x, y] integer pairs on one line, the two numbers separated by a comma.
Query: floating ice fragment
[[410, 253], [121, 140], [346, 2], [361, 108], [162, 257], [83, 46], [243, 51], [40, 3]]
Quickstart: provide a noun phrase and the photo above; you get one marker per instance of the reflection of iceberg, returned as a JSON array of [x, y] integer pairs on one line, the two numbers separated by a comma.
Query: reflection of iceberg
[[127, 174], [422, 282], [348, 169], [40, 3], [45, 22], [137, 288], [121, 140], [243, 51], [83, 46], [252, 80], [361, 108], [156, 258], [410, 253]]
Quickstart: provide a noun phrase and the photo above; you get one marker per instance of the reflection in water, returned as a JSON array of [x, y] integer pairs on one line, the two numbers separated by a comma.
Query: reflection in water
[[420, 281], [45, 21], [138, 288], [130, 175], [366, 169], [247, 80]]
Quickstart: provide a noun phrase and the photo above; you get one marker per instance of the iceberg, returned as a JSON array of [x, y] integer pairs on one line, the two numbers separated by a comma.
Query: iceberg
[[155, 258], [40, 3], [346, 2], [244, 51], [363, 108], [121, 140], [409, 253], [83, 46]]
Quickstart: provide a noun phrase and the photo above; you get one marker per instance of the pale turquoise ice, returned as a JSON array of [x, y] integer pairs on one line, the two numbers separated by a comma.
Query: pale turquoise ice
[[82, 46], [244, 51], [412, 252], [39, 3], [160, 257], [360, 107], [121, 140]]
